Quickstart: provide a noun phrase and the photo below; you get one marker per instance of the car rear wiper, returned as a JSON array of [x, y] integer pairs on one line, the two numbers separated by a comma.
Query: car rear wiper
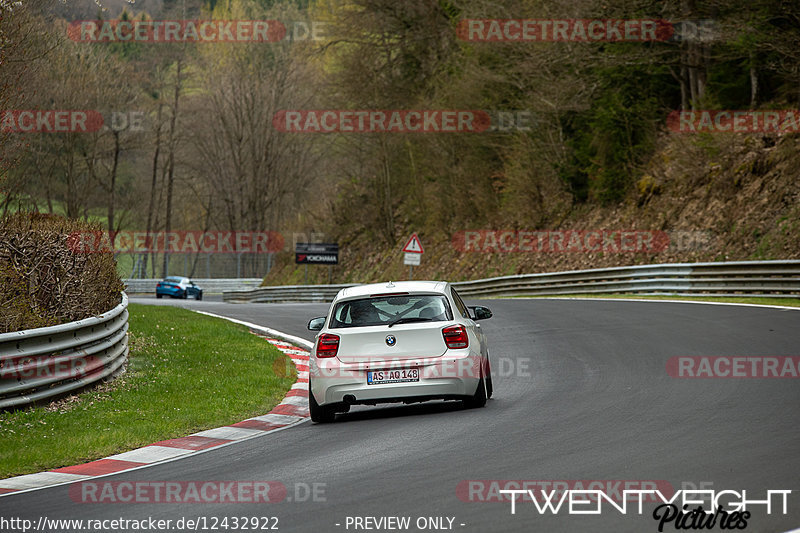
[[409, 319]]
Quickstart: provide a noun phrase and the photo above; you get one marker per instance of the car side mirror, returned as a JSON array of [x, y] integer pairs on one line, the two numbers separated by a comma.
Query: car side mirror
[[316, 324], [480, 313]]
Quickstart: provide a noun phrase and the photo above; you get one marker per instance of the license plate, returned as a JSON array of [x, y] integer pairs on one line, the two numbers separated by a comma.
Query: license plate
[[382, 377]]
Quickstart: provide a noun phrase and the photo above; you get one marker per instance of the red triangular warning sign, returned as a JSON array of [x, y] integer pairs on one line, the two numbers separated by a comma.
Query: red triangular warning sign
[[413, 246]]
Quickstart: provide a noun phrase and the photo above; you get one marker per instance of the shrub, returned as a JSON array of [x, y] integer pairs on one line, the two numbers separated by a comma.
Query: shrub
[[43, 282]]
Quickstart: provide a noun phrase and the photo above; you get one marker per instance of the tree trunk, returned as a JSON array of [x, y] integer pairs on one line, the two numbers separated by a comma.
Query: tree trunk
[[387, 194], [171, 162], [113, 184], [684, 81], [153, 184], [72, 204], [754, 96]]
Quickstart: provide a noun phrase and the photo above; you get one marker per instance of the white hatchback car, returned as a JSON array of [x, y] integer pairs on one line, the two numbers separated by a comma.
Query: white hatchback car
[[408, 341]]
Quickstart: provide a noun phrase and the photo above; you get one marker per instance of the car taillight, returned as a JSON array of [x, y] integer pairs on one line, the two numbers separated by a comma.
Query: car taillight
[[455, 337], [328, 345]]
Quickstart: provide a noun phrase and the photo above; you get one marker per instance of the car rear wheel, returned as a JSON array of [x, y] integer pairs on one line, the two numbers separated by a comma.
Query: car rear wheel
[[479, 398], [199, 295], [319, 414], [185, 295], [159, 295]]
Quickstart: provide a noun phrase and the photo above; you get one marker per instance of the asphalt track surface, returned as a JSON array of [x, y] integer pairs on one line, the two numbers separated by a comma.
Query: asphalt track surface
[[594, 403]]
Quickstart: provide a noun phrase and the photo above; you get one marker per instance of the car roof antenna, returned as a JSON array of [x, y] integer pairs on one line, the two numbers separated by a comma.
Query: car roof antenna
[[390, 285]]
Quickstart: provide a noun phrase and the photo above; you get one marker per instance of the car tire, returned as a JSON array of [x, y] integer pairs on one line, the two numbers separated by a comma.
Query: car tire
[[159, 295], [185, 295], [199, 295], [319, 414], [479, 398]]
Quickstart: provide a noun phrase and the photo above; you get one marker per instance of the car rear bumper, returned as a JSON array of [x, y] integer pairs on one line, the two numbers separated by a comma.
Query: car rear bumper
[[444, 378], [170, 292]]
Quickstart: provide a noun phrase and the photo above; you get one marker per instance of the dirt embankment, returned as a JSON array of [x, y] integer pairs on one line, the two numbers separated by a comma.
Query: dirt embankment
[[700, 198]]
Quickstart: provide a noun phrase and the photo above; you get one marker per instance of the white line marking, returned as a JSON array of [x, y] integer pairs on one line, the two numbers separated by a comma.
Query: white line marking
[[300, 401], [150, 454], [665, 301], [228, 433], [39, 480], [277, 419]]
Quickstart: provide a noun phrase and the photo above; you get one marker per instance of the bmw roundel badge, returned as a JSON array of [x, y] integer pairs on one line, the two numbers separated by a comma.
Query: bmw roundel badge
[[390, 340]]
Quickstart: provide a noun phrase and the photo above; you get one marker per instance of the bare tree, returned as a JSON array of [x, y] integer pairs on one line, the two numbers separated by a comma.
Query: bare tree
[[247, 164], [172, 146]]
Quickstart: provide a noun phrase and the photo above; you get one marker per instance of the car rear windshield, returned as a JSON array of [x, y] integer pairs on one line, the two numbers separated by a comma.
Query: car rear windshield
[[388, 310]]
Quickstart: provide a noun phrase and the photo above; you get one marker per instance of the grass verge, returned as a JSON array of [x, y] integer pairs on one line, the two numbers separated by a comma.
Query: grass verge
[[757, 300], [187, 372]]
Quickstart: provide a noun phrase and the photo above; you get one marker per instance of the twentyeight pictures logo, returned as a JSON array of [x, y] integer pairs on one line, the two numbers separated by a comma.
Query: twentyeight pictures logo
[[684, 509]]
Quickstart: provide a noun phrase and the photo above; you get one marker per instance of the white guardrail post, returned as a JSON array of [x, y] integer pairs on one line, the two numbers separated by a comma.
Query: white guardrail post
[[42, 363], [738, 278]]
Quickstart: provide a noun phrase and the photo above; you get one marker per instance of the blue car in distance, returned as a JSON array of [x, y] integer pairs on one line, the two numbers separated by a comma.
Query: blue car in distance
[[178, 287]]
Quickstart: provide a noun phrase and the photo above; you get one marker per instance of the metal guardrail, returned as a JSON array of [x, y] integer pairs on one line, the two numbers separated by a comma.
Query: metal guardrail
[[739, 278], [286, 293], [209, 286], [42, 363]]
